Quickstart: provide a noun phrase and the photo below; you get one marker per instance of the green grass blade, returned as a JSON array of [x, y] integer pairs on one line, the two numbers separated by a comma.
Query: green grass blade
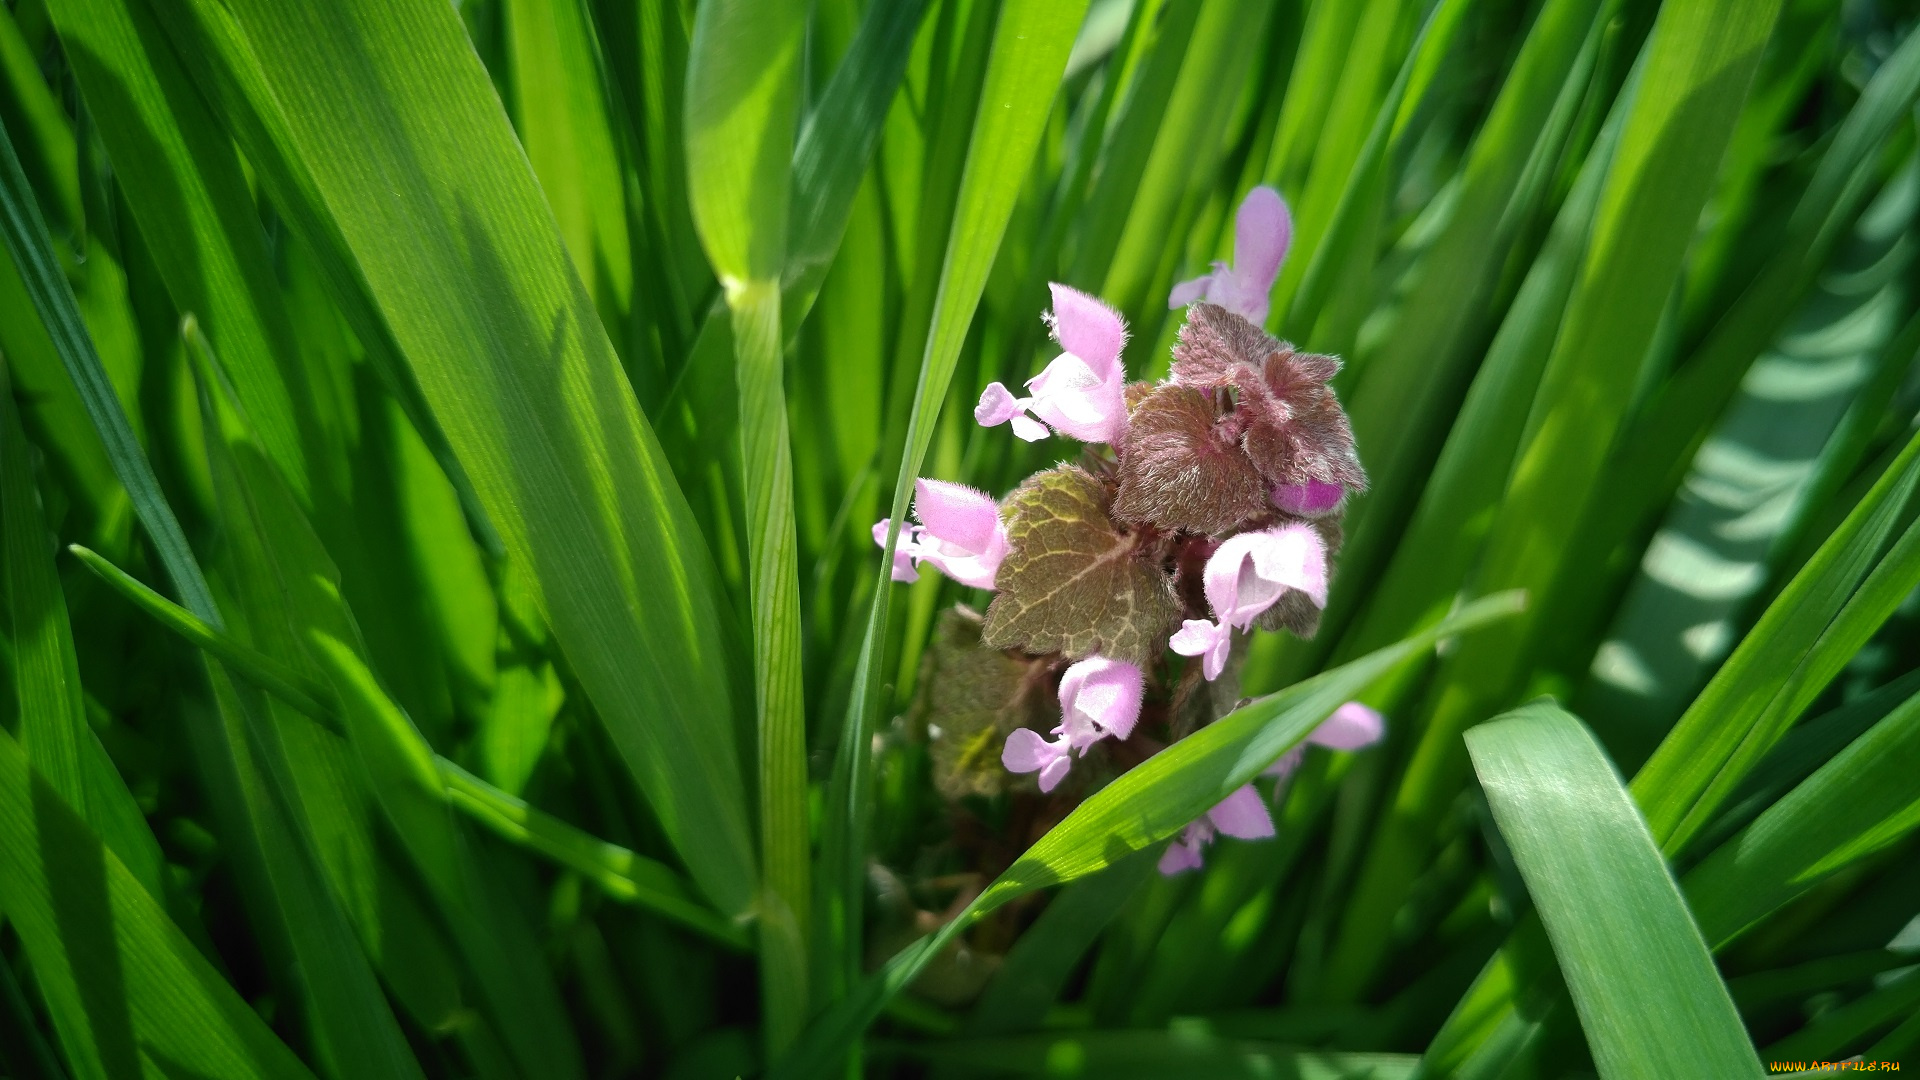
[[107, 958], [26, 240], [460, 253], [1693, 76], [53, 711], [1648, 995], [565, 124], [1184, 1050], [1037, 967], [743, 76], [836, 144], [623, 874], [196, 215], [1142, 808], [1031, 42], [1788, 657], [1863, 801]]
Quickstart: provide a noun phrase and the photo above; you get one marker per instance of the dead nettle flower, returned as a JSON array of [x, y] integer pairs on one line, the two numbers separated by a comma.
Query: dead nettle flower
[[1222, 486], [1352, 726], [1082, 392], [1241, 815], [1098, 698], [960, 533], [1244, 815], [1262, 231], [1244, 577]]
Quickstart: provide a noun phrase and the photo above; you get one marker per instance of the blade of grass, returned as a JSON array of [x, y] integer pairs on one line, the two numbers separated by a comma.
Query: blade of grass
[[1864, 800], [107, 958], [1648, 995], [1143, 807], [1806, 635], [1031, 42], [743, 84], [26, 240], [624, 875], [1186, 1049], [462, 257], [1698, 63], [53, 729]]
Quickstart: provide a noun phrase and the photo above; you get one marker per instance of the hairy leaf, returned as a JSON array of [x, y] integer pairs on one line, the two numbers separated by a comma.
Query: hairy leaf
[[971, 698], [1182, 470], [1073, 582]]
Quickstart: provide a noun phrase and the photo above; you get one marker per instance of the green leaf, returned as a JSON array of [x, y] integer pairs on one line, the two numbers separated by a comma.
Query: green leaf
[[1648, 995], [1863, 801], [25, 236], [53, 729], [458, 250], [1186, 1049], [1072, 582], [624, 875], [107, 958], [1802, 641], [743, 74]]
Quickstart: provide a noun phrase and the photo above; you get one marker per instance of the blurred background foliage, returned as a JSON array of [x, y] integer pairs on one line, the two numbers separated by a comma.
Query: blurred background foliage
[[464, 652]]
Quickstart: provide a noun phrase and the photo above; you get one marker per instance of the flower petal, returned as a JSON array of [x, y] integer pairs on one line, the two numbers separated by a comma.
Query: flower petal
[[1179, 858], [997, 406], [1262, 231], [1087, 328], [1055, 772], [1103, 693], [957, 514], [1029, 429], [1351, 727], [1026, 751], [1188, 292], [903, 569], [1243, 814]]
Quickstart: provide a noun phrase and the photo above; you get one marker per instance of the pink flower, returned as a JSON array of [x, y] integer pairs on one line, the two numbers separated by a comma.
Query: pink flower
[[1262, 230], [1241, 814], [960, 533], [1244, 577], [1352, 726], [1082, 393], [1311, 499], [1098, 698]]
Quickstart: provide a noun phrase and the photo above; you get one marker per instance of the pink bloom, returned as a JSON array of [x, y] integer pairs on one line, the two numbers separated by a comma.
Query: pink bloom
[[1241, 814], [1352, 726], [960, 533], [1098, 698], [1244, 577], [1311, 499], [1082, 392], [1262, 230]]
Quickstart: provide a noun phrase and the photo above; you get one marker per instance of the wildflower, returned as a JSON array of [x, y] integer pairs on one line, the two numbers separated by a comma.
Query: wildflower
[[960, 533], [1241, 814], [1082, 392], [1098, 698], [1243, 578], [1262, 230], [1352, 726]]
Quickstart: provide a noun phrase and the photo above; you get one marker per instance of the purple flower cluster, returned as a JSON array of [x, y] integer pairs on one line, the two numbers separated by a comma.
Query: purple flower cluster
[[1223, 485]]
